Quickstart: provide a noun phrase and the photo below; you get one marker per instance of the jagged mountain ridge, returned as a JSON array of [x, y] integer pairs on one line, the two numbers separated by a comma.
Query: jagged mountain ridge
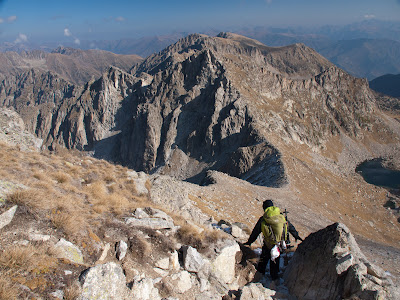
[[227, 103], [74, 65]]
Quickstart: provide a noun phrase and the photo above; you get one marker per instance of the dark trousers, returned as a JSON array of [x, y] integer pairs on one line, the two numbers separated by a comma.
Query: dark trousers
[[273, 266]]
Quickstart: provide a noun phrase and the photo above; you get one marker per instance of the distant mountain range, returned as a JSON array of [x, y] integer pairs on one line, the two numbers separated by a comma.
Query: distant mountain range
[[74, 65], [366, 49], [388, 84]]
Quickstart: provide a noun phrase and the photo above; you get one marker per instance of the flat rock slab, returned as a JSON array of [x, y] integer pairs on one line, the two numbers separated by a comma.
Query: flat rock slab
[[69, 251], [6, 217], [152, 223]]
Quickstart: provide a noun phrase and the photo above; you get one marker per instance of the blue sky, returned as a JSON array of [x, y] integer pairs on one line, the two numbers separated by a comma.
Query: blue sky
[[76, 20]]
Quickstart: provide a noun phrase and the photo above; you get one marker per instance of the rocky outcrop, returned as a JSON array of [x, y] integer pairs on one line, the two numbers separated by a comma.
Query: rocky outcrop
[[12, 131], [330, 265]]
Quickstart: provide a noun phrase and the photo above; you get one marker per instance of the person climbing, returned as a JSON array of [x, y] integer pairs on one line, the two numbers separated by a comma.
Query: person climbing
[[274, 227]]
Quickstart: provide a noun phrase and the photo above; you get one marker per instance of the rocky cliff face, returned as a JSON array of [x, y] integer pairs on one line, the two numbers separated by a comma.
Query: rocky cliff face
[[226, 103]]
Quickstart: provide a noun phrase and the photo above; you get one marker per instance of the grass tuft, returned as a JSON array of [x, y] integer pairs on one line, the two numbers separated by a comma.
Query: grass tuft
[[8, 289]]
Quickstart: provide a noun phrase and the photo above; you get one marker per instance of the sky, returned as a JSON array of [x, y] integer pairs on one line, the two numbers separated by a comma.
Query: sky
[[73, 21]]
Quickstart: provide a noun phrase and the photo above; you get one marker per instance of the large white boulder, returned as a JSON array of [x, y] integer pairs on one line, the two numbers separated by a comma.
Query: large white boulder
[[144, 290], [223, 266], [105, 281], [181, 282]]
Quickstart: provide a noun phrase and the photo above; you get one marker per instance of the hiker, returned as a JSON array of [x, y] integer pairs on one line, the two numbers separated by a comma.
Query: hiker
[[274, 227]]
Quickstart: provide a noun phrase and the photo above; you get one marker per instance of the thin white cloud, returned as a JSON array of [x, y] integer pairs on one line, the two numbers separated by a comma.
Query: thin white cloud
[[77, 41], [21, 38], [11, 19], [268, 1], [369, 16], [67, 32], [120, 19]]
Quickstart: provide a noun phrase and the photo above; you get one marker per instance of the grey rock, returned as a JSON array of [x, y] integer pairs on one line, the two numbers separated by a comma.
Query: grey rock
[[39, 237], [105, 281], [69, 251], [330, 265], [121, 249], [144, 289], [181, 282], [156, 219], [7, 217], [223, 266], [192, 259], [13, 131], [207, 296], [104, 252], [163, 263], [140, 213], [59, 294], [344, 264], [238, 232], [140, 184], [256, 291]]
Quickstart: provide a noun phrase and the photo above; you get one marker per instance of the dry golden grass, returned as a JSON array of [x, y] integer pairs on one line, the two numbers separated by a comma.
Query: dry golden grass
[[16, 259], [72, 291], [8, 289], [60, 177], [76, 195], [140, 249], [72, 223], [32, 198]]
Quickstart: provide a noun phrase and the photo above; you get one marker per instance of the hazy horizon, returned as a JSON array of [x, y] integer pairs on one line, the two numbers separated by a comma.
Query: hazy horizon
[[44, 21]]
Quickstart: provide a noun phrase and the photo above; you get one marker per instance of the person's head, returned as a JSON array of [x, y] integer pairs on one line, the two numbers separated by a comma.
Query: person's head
[[267, 203]]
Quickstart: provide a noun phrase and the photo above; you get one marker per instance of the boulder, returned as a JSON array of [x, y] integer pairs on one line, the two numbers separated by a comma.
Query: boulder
[[68, 251], [192, 259], [256, 291], [181, 282], [223, 266], [238, 232], [105, 281], [6, 217], [144, 290], [330, 265]]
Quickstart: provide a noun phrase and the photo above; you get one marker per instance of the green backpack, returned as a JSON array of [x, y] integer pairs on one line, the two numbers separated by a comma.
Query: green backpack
[[274, 227]]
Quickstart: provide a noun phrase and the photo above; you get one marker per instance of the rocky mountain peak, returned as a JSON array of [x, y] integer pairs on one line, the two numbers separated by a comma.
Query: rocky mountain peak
[[226, 103]]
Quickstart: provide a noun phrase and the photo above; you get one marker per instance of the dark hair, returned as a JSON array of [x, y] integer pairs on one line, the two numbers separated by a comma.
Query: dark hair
[[267, 203]]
